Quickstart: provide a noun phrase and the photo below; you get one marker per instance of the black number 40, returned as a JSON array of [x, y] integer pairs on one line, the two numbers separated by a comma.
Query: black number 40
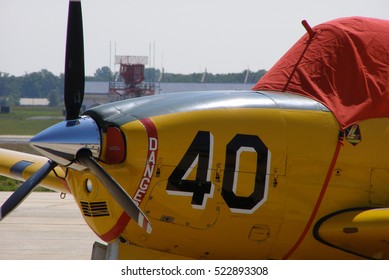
[[200, 154]]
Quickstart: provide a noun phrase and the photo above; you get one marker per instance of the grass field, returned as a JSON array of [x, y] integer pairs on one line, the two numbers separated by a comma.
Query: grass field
[[29, 120], [7, 184], [25, 120]]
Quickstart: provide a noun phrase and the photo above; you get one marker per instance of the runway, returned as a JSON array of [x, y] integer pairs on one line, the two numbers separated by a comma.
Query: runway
[[45, 227], [13, 139]]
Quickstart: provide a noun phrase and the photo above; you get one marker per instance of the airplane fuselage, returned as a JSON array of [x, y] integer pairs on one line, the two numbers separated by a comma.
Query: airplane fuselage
[[225, 175]]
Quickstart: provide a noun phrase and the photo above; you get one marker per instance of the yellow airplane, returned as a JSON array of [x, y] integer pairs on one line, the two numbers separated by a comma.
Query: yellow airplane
[[263, 174]]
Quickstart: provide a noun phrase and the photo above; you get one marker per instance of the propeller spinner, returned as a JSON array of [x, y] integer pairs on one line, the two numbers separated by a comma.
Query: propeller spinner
[[75, 142]]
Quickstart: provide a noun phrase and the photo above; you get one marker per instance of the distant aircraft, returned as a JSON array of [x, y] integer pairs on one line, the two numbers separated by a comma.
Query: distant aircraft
[[298, 168]]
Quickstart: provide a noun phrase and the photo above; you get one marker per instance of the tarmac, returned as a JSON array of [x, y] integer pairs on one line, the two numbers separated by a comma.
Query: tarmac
[[45, 227]]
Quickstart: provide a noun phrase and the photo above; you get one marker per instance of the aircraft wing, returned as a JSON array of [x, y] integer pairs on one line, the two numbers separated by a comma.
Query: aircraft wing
[[360, 231], [21, 166]]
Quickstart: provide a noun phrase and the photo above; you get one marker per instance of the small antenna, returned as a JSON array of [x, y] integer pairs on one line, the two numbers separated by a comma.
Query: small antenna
[[309, 29]]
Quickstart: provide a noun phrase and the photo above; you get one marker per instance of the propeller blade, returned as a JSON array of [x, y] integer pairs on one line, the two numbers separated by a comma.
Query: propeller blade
[[84, 156], [25, 189], [74, 62]]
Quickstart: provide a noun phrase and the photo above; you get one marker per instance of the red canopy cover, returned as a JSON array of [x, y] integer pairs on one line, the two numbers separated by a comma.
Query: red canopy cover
[[344, 65]]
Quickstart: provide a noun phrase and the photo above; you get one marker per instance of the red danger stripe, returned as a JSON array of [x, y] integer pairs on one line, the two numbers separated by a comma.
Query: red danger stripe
[[150, 163], [143, 185]]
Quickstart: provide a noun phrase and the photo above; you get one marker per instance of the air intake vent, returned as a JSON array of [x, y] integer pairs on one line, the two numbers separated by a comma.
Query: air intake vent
[[94, 209]]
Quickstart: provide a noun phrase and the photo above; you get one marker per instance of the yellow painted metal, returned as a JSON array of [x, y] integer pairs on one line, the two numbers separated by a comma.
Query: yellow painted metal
[[127, 174], [379, 194], [301, 146], [363, 232], [293, 138], [132, 252], [52, 181]]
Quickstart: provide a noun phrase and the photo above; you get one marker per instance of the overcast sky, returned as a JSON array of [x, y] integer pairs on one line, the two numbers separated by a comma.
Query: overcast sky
[[189, 35]]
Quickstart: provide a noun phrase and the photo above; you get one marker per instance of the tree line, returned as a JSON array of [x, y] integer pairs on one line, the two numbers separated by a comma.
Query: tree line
[[252, 77], [44, 84]]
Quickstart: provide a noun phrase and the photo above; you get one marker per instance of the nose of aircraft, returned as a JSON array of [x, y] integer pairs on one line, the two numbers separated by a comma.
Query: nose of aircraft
[[62, 141], [77, 144]]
